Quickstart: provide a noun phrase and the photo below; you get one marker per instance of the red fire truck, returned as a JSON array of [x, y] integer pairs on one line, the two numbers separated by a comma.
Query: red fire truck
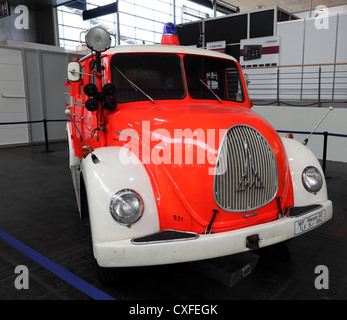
[[169, 162]]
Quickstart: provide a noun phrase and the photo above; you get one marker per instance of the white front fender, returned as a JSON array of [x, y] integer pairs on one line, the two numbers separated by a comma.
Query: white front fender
[[300, 157], [103, 180]]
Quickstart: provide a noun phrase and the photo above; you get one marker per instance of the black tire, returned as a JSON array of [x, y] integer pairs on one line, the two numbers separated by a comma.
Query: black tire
[[105, 275]]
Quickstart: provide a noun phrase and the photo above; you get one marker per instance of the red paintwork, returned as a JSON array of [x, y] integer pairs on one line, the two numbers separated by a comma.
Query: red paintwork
[[184, 192], [170, 39]]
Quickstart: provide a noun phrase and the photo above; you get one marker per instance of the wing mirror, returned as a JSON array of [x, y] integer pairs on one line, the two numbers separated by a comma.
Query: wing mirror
[[74, 71]]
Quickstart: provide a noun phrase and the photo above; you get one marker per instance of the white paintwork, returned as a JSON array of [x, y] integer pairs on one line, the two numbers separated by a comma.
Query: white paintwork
[[106, 178], [73, 160], [301, 157], [112, 242], [165, 49], [124, 253]]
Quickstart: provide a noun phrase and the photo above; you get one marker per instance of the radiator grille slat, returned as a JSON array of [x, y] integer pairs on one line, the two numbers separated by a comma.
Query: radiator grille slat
[[246, 171]]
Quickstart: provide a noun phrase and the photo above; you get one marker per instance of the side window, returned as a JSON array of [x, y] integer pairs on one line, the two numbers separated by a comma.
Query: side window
[[234, 87], [212, 80]]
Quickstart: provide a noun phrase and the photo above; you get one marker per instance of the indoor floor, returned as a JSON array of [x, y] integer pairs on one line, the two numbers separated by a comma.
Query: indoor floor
[[40, 230]]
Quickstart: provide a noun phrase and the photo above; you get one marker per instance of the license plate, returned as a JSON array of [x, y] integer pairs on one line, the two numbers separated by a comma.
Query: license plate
[[309, 222]]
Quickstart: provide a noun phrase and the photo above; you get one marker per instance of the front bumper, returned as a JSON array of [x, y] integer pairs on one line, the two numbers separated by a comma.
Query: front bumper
[[125, 253]]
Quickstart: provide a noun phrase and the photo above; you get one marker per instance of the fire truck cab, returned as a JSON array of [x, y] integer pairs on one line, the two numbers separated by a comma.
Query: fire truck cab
[[169, 162]]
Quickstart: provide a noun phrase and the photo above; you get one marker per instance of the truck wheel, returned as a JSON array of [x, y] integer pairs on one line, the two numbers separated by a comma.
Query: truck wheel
[[104, 275]]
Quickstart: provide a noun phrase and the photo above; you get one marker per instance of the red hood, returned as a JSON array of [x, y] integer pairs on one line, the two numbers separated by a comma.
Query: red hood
[[183, 179]]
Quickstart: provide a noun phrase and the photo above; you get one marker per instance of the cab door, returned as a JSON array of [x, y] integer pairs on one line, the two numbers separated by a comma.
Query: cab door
[[77, 115]]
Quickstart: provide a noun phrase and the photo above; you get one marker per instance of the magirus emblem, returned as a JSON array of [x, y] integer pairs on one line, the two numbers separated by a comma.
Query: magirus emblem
[[250, 175]]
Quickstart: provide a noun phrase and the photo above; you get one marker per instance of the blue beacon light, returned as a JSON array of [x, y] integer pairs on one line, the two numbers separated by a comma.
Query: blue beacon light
[[170, 36], [170, 28]]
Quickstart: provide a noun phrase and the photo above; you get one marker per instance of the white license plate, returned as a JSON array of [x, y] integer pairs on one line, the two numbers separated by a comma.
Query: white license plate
[[309, 222]]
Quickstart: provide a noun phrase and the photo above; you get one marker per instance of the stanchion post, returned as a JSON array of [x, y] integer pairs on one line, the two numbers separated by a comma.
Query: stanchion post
[[278, 87], [325, 145], [319, 85], [46, 136]]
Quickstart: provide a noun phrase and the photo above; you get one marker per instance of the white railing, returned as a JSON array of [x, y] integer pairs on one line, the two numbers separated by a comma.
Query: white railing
[[313, 83]]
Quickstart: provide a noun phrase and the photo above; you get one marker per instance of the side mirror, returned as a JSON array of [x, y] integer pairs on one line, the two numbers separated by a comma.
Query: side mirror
[[251, 103], [74, 71]]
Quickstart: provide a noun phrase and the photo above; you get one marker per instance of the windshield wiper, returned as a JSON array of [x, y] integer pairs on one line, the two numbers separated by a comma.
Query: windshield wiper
[[219, 99], [134, 85]]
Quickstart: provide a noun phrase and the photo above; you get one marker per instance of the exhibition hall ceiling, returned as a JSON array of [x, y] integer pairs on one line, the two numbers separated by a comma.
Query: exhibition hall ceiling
[[290, 6], [244, 5], [38, 4]]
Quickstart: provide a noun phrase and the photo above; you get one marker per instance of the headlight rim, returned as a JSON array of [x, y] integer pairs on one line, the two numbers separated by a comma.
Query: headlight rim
[[116, 197], [305, 183]]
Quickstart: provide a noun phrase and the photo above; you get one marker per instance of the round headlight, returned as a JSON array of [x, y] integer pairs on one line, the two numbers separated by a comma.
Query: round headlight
[[312, 179], [126, 207]]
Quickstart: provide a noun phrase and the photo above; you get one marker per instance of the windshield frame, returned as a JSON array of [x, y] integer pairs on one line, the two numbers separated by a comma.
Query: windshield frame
[[140, 91], [223, 81]]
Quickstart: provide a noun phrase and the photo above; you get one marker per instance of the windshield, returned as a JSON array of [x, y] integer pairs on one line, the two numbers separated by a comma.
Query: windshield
[[143, 76], [213, 78]]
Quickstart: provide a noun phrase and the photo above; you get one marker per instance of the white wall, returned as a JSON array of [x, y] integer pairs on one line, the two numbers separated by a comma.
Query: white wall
[[331, 10], [305, 119], [12, 98], [307, 42], [32, 80], [302, 43]]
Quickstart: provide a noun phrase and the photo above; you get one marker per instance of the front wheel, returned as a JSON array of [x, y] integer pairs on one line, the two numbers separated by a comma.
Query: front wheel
[[104, 275]]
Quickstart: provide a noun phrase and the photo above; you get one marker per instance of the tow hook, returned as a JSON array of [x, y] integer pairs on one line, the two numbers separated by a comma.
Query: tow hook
[[252, 242]]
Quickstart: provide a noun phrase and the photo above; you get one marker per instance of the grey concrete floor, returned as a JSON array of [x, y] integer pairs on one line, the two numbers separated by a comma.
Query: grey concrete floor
[[38, 208]]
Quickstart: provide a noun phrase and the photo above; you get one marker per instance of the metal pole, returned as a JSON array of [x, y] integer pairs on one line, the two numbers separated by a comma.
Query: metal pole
[[325, 145], [319, 85], [118, 26], [174, 11], [278, 86], [46, 136]]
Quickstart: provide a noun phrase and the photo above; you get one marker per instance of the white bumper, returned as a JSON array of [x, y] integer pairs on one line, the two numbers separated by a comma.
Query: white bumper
[[125, 254]]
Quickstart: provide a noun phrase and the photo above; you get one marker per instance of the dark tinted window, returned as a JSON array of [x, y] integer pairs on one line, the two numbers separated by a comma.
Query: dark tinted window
[[159, 76], [208, 77]]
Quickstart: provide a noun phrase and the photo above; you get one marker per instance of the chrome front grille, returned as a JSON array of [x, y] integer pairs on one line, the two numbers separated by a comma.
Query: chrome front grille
[[246, 175]]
